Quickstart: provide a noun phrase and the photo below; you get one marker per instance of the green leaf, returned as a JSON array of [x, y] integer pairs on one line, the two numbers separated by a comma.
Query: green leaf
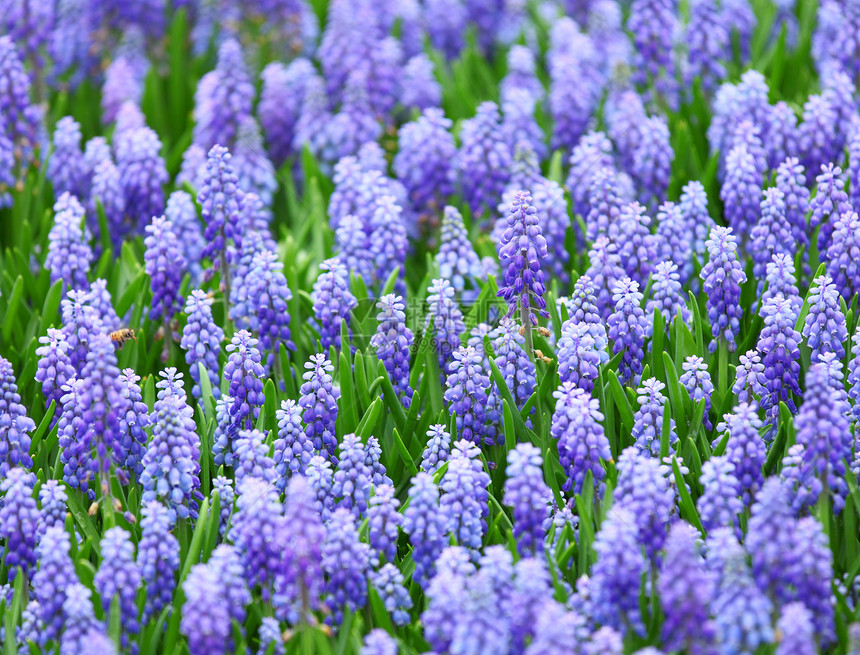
[[82, 518], [621, 401], [12, 307], [196, 545], [403, 451], [688, 508], [390, 398], [11, 615], [368, 421]]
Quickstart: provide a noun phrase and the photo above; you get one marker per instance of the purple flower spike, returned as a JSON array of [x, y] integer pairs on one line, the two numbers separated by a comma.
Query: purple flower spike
[[319, 405], [796, 630], [69, 253], [528, 495], [142, 174], [741, 189], [50, 583], [722, 278], [224, 96], [457, 259], [824, 430], [686, 588], [383, 523], [426, 526], [201, 341], [720, 504], [521, 250], [578, 356], [252, 458], [389, 584], [791, 180], [220, 199], [378, 642], [419, 89], [256, 527], [352, 480], [158, 556], [605, 200], [53, 500], [293, 448], [299, 582], [627, 327], [616, 577], [66, 165], [652, 160], [206, 613], [828, 204], [606, 272], [333, 302], [746, 450], [824, 327], [15, 425], [280, 104], [268, 298], [424, 161], [815, 133], [591, 155], [653, 25], [637, 247], [484, 159], [697, 381], [843, 254], [708, 39], [772, 235], [119, 576], [465, 496], [513, 361], [53, 372], [582, 443], [345, 559], [648, 422], [780, 279], [666, 297], [466, 395], [22, 120], [18, 521], [813, 571], [447, 320], [854, 375], [393, 341], [769, 540], [165, 266]]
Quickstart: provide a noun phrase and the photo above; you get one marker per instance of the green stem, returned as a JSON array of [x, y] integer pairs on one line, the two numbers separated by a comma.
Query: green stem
[[525, 317], [723, 367]]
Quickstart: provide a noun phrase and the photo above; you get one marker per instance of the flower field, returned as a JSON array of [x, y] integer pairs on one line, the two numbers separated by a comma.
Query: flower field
[[463, 327]]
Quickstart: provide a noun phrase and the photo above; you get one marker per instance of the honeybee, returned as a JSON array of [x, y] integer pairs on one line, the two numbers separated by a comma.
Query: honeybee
[[121, 336]]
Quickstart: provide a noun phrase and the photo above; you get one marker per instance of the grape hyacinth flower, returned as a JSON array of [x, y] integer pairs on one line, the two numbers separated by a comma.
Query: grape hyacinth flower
[[513, 361], [158, 557], [484, 159], [119, 576], [824, 326], [133, 424], [255, 531], [674, 237], [446, 597], [741, 189], [281, 98], [578, 356], [171, 469], [251, 458], [378, 642], [771, 236], [223, 97], [769, 540], [648, 423], [254, 172], [582, 308], [425, 158], [226, 495], [69, 253], [604, 202], [182, 214], [299, 581], [447, 319], [652, 160], [582, 444], [643, 488], [206, 612], [220, 199], [19, 519], [383, 521], [388, 242], [627, 327], [55, 575], [616, 576], [465, 496], [345, 560], [53, 371], [293, 448], [708, 39], [22, 119], [392, 342], [828, 204], [81, 630], [456, 259], [746, 450], [426, 526], [605, 270], [15, 425], [268, 298], [333, 302], [685, 587], [815, 134], [824, 430], [352, 479], [843, 255], [438, 449], [853, 375], [697, 381], [53, 507], [165, 266], [65, 166], [720, 504], [722, 278], [812, 575], [389, 584], [796, 630], [106, 189], [637, 247], [528, 495], [142, 174], [741, 611], [666, 297], [319, 406], [781, 280], [244, 371], [778, 344], [201, 341], [791, 180], [466, 391], [694, 208]]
